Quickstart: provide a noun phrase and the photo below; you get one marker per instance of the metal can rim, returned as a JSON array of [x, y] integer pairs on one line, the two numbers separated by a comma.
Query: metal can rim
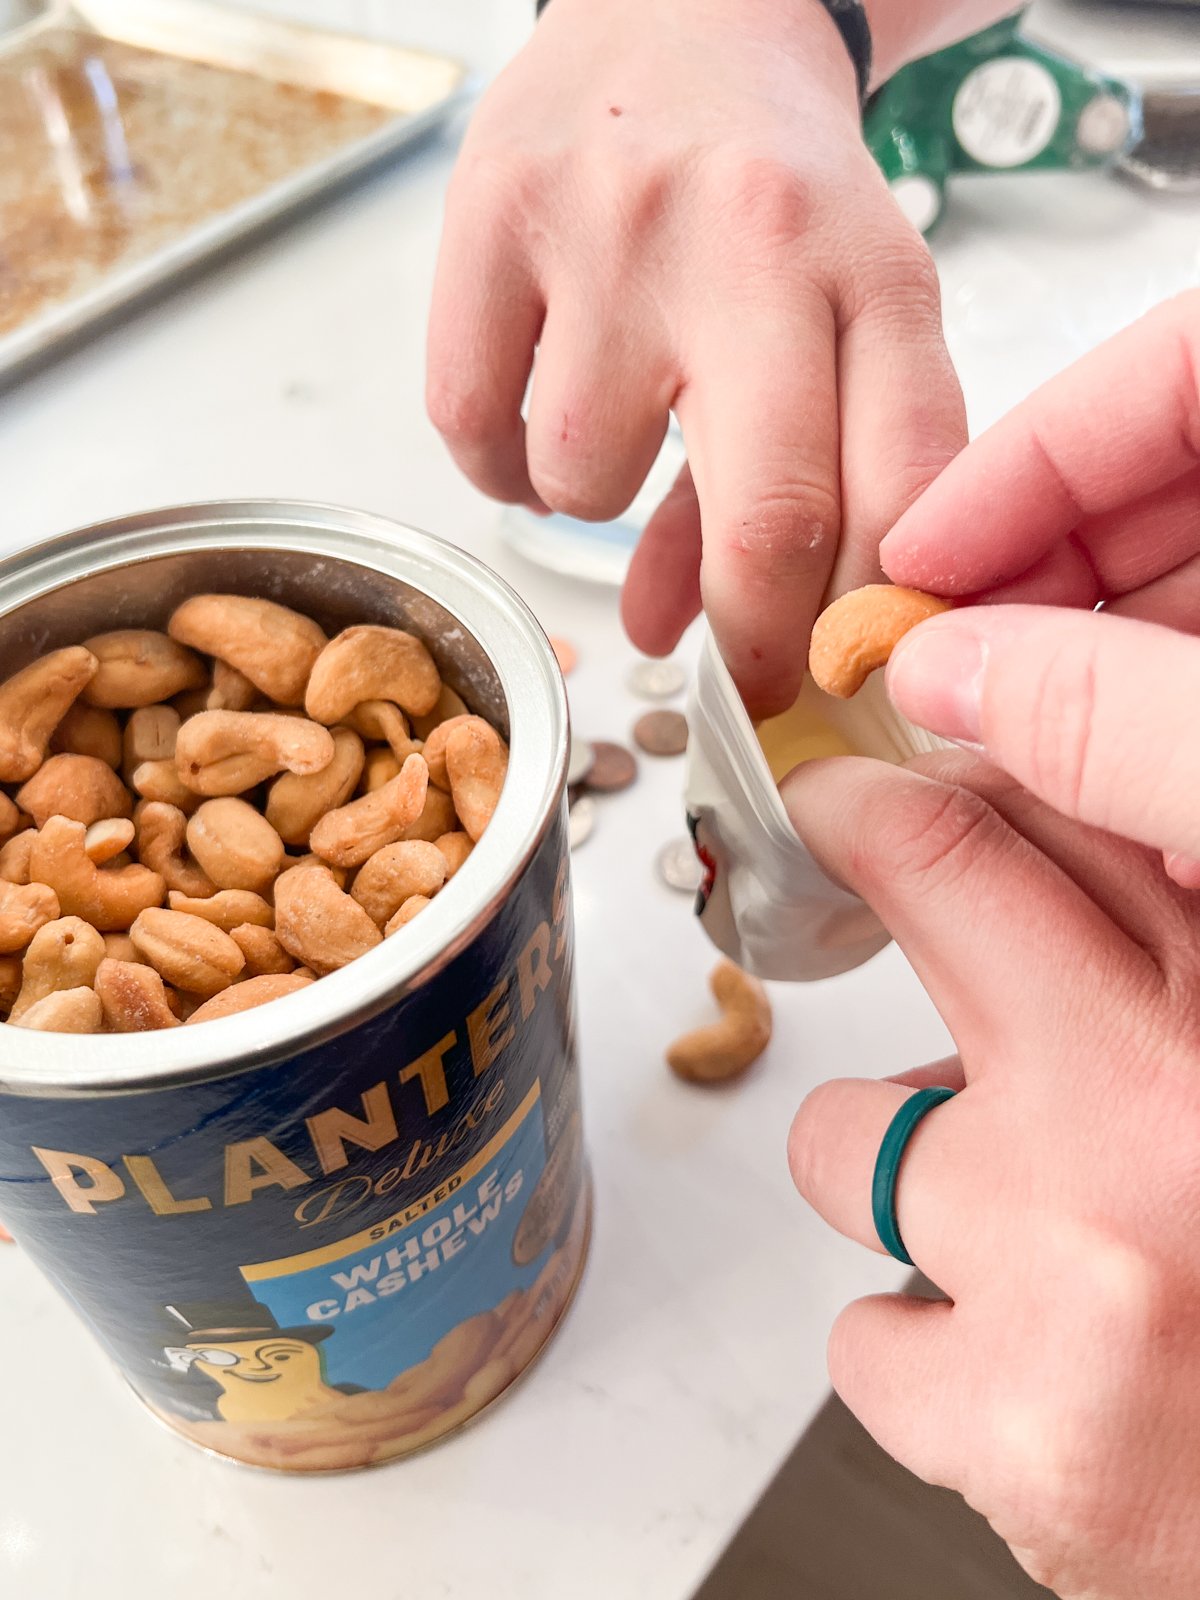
[[48, 1064]]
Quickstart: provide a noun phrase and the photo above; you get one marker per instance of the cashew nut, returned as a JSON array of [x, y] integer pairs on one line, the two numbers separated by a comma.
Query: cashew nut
[[120, 947], [32, 704], [64, 954], [859, 631], [88, 731], [412, 906], [396, 873], [262, 950], [83, 788], [133, 997], [249, 993], [65, 1011], [228, 752], [449, 704], [10, 980], [319, 924], [161, 846], [435, 746], [340, 875], [724, 1049], [476, 765], [159, 780], [437, 817], [138, 666], [10, 816], [380, 719], [235, 845], [227, 909], [380, 767], [14, 856], [186, 951], [107, 839], [271, 645], [107, 897], [372, 663], [231, 690], [349, 835], [150, 735], [296, 804], [24, 908], [455, 848]]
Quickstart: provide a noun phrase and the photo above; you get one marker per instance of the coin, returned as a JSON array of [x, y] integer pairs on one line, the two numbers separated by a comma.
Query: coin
[[614, 767], [565, 654], [661, 733], [581, 821], [679, 867], [580, 761], [656, 680]]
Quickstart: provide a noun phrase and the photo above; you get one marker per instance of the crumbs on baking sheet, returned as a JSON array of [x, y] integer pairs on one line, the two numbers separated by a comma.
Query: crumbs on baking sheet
[[113, 153]]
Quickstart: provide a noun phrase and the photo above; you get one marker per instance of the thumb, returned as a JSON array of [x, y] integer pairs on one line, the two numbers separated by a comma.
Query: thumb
[[1095, 714]]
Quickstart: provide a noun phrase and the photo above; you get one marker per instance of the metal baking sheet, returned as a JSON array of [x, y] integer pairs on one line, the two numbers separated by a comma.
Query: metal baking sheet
[[142, 135]]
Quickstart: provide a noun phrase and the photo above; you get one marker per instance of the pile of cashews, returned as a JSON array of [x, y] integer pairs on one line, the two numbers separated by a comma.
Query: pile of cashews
[[185, 838]]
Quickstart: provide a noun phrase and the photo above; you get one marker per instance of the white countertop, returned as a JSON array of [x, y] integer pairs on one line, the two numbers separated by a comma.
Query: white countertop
[[694, 1355]]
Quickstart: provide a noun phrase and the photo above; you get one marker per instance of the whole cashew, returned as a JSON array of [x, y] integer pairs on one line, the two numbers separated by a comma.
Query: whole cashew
[[14, 856], [435, 747], [340, 875], [231, 690], [270, 644], [88, 731], [236, 845], [380, 719], [24, 908], [159, 780], [138, 666], [859, 631], [83, 788], [32, 704], [227, 909], [66, 1011], [296, 804], [396, 873], [724, 1049], [107, 897], [263, 952], [64, 954], [372, 663], [455, 848], [150, 735], [449, 704], [105, 840], [228, 752], [188, 952], [400, 919], [349, 835], [319, 924], [380, 767], [476, 764], [133, 997], [249, 993], [162, 846]]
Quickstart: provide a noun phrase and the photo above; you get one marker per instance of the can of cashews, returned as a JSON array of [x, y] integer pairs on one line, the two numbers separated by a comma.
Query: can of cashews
[[326, 1232]]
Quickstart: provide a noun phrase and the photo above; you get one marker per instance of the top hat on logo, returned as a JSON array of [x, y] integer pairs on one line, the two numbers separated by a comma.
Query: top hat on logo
[[219, 1322]]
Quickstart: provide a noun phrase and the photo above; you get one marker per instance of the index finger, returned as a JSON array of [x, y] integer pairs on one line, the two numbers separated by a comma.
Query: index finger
[[1110, 430]]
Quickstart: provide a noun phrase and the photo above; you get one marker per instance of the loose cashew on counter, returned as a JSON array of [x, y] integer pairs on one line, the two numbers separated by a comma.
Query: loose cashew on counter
[[859, 631], [726, 1048]]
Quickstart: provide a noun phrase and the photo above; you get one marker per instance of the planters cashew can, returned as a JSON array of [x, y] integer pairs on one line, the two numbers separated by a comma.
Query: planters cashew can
[[325, 1232], [764, 902]]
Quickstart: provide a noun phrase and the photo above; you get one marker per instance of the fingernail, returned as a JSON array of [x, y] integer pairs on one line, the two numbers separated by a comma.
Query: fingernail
[[935, 679]]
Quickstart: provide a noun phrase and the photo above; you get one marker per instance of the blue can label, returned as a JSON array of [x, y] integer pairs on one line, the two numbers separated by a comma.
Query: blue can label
[[337, 1258]]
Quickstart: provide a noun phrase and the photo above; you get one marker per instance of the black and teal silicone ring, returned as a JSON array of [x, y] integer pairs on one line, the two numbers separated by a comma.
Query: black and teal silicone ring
[[887, 1166]]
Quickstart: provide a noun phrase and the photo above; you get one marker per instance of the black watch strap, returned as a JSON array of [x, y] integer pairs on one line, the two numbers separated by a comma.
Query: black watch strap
[[850, 19]]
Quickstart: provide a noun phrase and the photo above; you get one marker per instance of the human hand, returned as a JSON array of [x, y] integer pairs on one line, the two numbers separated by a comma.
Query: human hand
[[1087, 492], [1054, 1199], [673, 203]]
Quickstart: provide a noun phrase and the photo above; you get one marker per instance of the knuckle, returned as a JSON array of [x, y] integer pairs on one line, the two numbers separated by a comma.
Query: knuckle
[[760, 199], [790, 534], [895, 283], [465, 414], [925, 838], [1061, 751]]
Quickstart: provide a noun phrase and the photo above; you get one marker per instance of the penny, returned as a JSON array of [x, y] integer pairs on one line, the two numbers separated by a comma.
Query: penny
[[679, 867], [661, 733], [579, 762], [581, 821], [565, 654], [656, 680], [614, 767]]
